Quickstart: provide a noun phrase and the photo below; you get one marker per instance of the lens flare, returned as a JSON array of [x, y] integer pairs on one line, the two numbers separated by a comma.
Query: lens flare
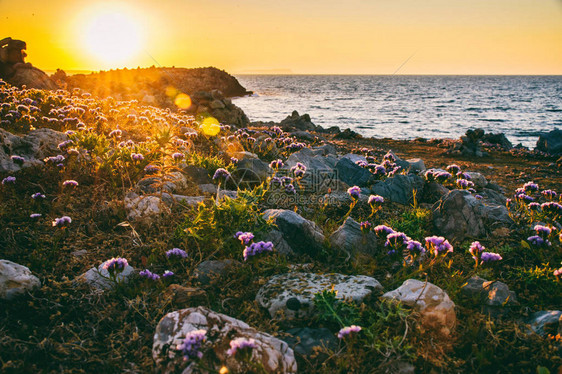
[[183, 101], [210, 126]]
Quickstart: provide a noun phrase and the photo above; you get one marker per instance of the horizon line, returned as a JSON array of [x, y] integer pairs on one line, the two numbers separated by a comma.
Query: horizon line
[[87, 71]]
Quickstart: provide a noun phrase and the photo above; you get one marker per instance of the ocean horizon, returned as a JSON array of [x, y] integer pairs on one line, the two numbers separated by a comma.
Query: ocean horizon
[[411, 106]]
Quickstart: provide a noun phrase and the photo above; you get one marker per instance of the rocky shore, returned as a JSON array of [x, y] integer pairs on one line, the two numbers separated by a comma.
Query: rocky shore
[[138, 238]]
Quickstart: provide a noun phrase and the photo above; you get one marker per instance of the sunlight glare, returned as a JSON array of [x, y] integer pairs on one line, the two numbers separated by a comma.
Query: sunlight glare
[[112, 36]]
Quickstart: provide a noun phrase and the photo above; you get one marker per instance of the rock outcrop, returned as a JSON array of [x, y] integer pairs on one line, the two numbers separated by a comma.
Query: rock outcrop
[[350, 239], [33, 147], [15, 279], [291, 295], [435, 306], [551, 142], [300, 234], [460, 215], [14, 69], [272, 354]]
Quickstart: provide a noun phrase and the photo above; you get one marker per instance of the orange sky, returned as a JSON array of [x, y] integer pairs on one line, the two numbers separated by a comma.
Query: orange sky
[[304, 36]]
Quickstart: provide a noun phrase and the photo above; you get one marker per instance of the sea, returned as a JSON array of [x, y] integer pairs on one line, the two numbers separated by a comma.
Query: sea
[[411, 106]]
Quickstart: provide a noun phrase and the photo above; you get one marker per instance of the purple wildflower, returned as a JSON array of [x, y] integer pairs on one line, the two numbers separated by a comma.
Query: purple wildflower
[[542, 231], [176, 252], [549, 194], [37, 195], [275, 182], [534, 206], [531, 187], [438, 245], [177, 156], [396, 240], [234, 160], [383, 231], [192, 344], [430, 175], [389, 157], [221, 173], [115, 265], [151, 169], [523, 198], [354, 192], [476, 250], [35, 215], [490, 256], [365, 226], [168, 274], [276, 164], [552, 208], [453, 169], [62, 221], [379, 170], [290, 189], [70, 183], [137, 156], [537, 241], [348, 331], [241, 346], [462, 183], [9, 179], [375, 200], [149, 275], [479, 197], [244, 237], [442, 176], [257, 248], [413, 246], [362, 163]]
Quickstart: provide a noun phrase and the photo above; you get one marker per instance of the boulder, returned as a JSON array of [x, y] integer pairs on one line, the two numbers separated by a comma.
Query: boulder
[[209, 271], [199, 175], [478, 179], [353, 174], [551, 142], [98, 278], [15, 280], [183, 297], [306, 341], [459, 215], [433, 192], [399, 189], [493, 295], [251, 172], [350, 239], [272, 354], [172, 182], [436, 308], [31, 77], [33, 147], [279, 243], [416, 165], [493, 197], [498, 139], [302, 235], [297, 122], [291, 295], [546, 322], [314, 159], [140, 207]]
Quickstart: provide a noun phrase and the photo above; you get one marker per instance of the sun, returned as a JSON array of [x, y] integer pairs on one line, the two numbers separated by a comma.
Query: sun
[[112, 36]]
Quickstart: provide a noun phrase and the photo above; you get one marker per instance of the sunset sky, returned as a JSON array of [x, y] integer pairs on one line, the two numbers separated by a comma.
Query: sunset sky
[[300, 36]]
